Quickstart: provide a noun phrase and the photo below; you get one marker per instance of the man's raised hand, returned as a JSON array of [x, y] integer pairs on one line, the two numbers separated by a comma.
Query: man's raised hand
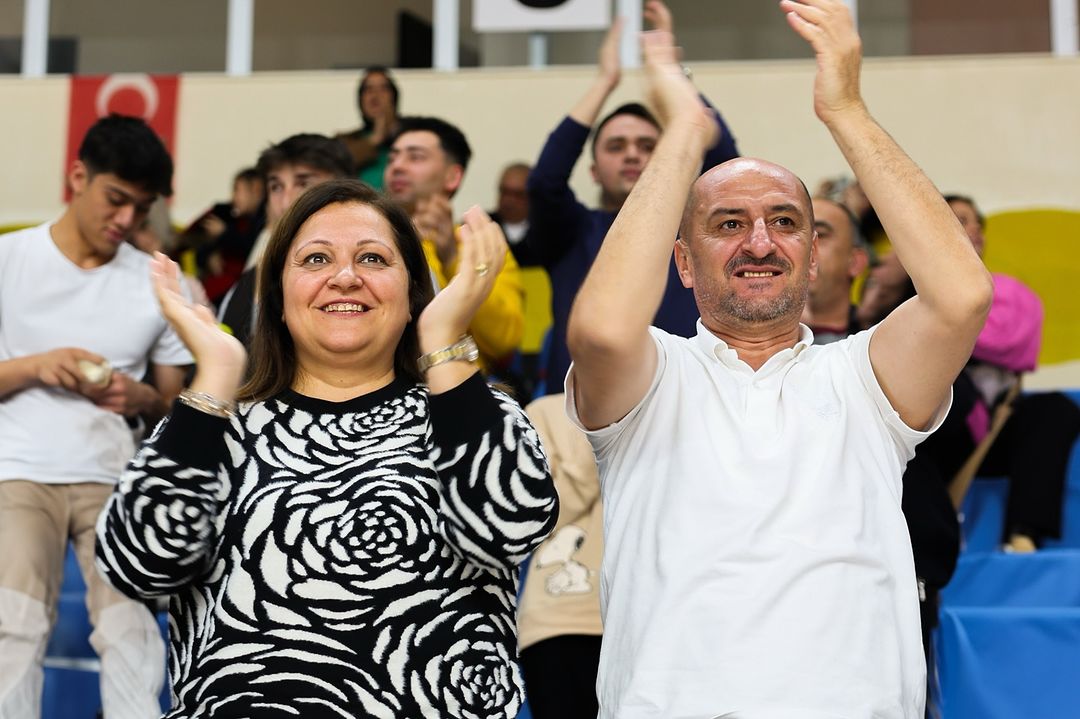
[[608, 58], [658, 15], [434, 220], [828, 27], [670, 92]]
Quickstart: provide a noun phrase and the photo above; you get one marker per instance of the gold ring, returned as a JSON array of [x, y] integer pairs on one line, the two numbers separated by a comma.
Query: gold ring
[[481, 269]]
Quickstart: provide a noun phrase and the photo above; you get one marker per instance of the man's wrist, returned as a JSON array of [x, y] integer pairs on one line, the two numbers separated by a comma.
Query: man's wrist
[[151, 405], [854, 112], [695, 135], [607, 81], [29, 371]]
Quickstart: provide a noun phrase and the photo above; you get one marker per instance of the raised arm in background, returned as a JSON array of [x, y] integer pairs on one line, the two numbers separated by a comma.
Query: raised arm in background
[[614, 362], [554, 210]]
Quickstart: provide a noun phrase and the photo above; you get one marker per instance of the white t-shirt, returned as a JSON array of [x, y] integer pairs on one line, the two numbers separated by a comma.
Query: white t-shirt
[[47, 302], [756, 558]]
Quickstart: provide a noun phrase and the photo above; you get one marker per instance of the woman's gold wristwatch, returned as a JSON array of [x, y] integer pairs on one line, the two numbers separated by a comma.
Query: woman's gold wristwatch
[[464, 349]]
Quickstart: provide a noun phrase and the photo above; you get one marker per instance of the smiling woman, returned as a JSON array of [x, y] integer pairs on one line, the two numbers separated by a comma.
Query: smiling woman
[[347, 537], [343, 243]]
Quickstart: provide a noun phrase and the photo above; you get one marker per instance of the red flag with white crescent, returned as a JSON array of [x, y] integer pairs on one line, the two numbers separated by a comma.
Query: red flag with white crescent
[[151, 97]]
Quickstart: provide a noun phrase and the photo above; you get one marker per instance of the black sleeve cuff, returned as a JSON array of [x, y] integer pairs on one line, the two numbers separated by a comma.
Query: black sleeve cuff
[[465, 412], [193, 438]]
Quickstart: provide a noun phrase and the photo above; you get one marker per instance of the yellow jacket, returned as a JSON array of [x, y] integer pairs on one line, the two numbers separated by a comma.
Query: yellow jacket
[[500, 322]]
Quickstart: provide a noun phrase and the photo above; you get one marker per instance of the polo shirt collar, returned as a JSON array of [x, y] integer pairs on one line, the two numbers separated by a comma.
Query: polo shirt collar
[[712, 346]]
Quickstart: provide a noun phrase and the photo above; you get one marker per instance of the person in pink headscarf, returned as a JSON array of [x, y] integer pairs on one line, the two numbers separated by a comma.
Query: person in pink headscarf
[[1034, 445]]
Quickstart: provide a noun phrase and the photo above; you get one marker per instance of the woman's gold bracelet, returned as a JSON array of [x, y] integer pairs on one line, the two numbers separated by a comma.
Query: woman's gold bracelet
[[208, 404]]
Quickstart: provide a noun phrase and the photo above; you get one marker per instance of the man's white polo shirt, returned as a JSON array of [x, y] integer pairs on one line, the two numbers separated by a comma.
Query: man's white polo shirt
[[756, 559]]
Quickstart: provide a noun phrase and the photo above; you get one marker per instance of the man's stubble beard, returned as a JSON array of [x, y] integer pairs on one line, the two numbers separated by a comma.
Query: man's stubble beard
[[729, 309]]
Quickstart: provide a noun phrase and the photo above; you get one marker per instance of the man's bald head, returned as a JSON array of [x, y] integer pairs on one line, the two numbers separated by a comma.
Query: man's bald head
[[746, 245], [724, 174]]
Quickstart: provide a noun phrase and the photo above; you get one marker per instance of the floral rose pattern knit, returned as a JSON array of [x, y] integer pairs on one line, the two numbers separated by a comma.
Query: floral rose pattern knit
[[354, 559]]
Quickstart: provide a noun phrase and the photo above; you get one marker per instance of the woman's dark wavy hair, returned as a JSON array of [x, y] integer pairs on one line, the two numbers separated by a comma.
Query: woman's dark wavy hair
[[273, 355]]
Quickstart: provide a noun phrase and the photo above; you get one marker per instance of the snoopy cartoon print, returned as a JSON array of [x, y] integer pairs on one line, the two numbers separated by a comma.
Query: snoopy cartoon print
[[572, 577]]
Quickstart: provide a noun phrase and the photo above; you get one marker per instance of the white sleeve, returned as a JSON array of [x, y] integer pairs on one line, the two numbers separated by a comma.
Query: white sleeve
[[858, 350], [604, 439]]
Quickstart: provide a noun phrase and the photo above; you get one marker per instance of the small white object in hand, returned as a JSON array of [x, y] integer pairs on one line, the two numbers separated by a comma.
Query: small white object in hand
[[96, 374]]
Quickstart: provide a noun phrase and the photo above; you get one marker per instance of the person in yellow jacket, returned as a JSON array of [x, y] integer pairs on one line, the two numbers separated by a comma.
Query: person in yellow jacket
[[426, 166]]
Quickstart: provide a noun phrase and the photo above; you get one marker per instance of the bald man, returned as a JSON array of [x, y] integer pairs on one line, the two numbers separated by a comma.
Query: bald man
[[756, 559]]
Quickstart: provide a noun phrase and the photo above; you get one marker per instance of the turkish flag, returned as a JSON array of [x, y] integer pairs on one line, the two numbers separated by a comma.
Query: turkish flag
[[151, 97]]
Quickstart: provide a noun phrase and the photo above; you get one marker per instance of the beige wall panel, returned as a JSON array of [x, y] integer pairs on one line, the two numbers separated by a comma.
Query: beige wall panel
[[998, 128], [33, 135]]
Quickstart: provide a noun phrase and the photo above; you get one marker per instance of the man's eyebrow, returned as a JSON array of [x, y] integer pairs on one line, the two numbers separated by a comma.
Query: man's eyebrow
[[726, 211], [140, 204], [824, 224], [122, 192], [742, 212]]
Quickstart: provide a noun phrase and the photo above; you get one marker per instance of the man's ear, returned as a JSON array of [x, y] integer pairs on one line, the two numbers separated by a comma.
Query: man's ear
[[812, 267], [78, 177], [592, 173], [682, 263], [453, 178], [858, 262]]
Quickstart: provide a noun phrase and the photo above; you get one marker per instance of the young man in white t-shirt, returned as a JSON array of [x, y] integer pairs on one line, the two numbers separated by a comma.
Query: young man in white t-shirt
[[756, 559], [79, 328]]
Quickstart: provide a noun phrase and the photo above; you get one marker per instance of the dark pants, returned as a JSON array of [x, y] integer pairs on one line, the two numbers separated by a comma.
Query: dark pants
[[560, 677], [1033, 451]]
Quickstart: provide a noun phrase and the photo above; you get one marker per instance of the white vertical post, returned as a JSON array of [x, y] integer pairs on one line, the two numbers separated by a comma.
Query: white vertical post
[[241, 30], [853, 6], [629, 46], [445, 41], [35, 39], [1064, 36], [538, 50]]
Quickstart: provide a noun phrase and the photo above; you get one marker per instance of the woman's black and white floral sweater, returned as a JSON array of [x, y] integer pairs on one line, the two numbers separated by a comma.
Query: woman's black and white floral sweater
[[353, 559]]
